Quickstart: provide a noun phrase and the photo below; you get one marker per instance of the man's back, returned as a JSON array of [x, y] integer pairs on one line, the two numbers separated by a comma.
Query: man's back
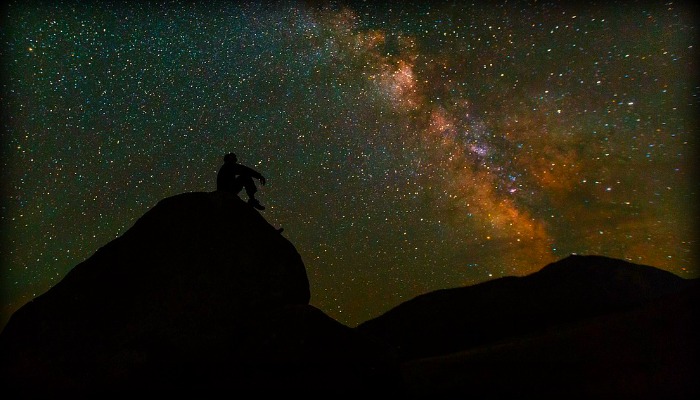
[[226, 178]]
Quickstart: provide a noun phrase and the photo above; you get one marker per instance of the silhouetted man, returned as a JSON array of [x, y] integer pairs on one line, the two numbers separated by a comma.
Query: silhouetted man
[[233, 177]]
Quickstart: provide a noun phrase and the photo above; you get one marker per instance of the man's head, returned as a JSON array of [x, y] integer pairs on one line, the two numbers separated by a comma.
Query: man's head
[[230, 158]]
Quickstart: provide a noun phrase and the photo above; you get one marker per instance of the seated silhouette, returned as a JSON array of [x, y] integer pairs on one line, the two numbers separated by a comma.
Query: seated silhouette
[[233, 177]]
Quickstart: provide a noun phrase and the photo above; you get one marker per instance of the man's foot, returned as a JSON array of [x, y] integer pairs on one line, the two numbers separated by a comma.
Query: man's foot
[[256, 204]]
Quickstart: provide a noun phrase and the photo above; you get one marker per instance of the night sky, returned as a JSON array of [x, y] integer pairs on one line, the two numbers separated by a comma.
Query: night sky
[[407, 147]]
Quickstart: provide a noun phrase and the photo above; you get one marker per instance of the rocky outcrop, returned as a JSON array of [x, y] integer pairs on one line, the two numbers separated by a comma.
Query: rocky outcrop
[[200, 295]]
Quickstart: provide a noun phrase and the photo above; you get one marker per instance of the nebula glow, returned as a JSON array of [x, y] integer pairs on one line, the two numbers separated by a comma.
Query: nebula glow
[[407, 147]]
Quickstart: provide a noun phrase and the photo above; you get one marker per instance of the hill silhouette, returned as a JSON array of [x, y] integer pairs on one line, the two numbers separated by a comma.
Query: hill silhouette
[[202, 296], [646, 352], [583, 327], [572, 289]]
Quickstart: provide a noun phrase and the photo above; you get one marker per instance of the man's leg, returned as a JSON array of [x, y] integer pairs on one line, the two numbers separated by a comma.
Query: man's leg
[[236, 187], [250, 190], [250, 187]]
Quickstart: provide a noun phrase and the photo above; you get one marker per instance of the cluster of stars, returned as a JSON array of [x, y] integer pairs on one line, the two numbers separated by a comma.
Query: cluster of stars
[[407, 148]]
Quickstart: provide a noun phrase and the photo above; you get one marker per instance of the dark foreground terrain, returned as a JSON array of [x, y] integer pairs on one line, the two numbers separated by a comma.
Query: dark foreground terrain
[[203, 297]]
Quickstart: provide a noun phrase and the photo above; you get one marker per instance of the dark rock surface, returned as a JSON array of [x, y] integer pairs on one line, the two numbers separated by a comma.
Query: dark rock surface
[[200, 295]]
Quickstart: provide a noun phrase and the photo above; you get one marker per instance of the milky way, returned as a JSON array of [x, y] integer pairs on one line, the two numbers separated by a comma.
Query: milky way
[[407, 147]]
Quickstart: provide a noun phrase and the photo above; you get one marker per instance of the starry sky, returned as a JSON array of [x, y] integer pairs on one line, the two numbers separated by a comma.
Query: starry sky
[[407, 146]]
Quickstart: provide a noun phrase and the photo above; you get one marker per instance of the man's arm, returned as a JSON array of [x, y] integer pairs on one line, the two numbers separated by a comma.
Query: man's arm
[[245, 170]]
